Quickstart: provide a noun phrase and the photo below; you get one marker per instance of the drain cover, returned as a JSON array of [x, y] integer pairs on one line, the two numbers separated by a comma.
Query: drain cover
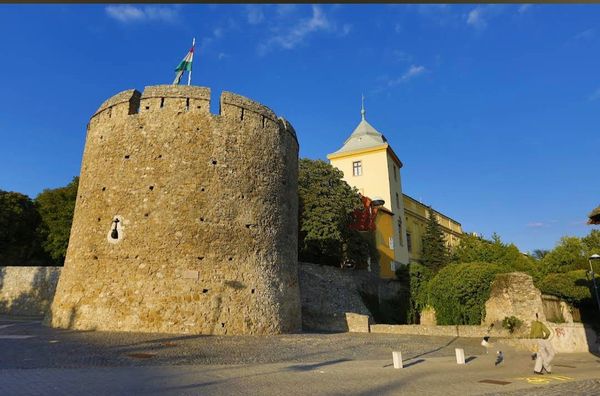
[[141, 355], [495, 382]]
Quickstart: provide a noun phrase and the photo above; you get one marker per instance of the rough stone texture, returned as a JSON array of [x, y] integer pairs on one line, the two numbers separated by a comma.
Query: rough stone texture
[[557, 310], [565, 338], [207, 209], [329, 293], [428, 317], [514, 294], [27, 290], [357, 323], [453, 331]]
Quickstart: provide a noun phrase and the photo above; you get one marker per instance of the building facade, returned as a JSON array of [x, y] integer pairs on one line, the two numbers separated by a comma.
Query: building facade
[[370, 164]]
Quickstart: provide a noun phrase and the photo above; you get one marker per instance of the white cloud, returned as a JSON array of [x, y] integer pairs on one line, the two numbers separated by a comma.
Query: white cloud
[[254, 14], [295, 35], [126, 13], [537, 224], [286, 9], [475, 18], [402, 56], [523, 8], [412, 72], [595, 95], [586, 34]]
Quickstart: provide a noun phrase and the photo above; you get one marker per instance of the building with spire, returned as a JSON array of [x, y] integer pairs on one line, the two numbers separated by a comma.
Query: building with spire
[[370, 164]]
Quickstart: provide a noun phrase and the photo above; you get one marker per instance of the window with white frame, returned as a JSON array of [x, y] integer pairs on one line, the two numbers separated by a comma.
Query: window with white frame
[[357, 168]]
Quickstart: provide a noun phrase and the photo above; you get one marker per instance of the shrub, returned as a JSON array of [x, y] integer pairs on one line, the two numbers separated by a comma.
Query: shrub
[[572, 286], [417, 276], [459, 291], [511, 323]]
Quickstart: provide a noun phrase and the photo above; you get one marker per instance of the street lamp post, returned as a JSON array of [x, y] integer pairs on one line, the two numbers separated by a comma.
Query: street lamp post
[[590, 259]]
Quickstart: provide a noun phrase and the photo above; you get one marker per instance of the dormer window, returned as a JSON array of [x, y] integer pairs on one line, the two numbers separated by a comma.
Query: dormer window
[[357, 168]]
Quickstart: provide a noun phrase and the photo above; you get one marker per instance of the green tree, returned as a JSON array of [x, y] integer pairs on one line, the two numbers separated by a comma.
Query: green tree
[[435, 254], [19, 220], [568, 255], [56, 207], [473, 248], [327, 204], [591, 242], [458, 292], [539, 254]]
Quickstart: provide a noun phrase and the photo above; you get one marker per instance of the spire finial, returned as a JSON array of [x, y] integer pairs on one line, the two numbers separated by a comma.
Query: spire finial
[[362, 109]]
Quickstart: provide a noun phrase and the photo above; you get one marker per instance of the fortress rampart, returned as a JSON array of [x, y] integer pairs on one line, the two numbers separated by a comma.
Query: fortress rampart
[[185, 221]]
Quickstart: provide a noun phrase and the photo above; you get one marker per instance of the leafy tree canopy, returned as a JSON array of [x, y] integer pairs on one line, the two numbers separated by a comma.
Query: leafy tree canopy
[[327, 203], [19, 220], [56, 207], [477, 249]]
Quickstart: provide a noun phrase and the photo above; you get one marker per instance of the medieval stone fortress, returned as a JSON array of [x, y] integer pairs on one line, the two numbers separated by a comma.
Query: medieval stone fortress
[[185, 221]]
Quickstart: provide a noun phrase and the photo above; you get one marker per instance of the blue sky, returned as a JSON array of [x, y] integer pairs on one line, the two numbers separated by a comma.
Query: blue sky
[[493, 109]]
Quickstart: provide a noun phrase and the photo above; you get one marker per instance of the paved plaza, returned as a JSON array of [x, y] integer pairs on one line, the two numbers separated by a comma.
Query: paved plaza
[[35, 360]]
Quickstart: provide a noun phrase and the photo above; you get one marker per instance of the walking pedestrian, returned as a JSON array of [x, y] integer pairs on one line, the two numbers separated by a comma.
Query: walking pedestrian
[[545, 352]]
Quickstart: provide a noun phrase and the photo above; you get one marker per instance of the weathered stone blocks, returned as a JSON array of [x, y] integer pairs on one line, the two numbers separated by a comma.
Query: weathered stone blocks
[[185, 221]]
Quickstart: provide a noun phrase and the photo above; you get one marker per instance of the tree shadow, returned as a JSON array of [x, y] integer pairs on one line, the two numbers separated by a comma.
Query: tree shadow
[[36, 297], [413, 363], [470, 359], [308, 367], [434, 350]]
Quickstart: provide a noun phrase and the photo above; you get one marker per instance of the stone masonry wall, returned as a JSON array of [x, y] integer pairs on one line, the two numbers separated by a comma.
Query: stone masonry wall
[[329, 294], [27, 290], [206, 239], [514, 294]]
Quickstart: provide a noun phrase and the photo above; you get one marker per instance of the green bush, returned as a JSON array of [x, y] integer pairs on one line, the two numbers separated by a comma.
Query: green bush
[[511, 323], [572, 286], [458, 292], [417, 276]]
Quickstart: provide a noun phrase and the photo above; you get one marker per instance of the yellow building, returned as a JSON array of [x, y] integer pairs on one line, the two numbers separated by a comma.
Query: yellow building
[[370, 164], [416, 216]]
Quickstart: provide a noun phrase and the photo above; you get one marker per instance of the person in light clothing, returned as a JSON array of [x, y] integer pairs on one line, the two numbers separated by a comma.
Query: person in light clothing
[[545, 353]]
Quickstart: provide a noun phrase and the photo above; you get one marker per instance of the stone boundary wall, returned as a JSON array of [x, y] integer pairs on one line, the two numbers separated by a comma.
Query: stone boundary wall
[[185, 221], [27, 291], [448, 331], [331, 300], [565, 338]]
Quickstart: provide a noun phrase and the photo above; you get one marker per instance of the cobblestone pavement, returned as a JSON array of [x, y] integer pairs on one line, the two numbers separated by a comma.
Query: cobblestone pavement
[[576, 388], [76, 349], [35, 360]]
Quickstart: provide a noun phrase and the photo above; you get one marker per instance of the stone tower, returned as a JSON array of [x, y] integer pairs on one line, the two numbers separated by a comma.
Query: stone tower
[[185, 221]]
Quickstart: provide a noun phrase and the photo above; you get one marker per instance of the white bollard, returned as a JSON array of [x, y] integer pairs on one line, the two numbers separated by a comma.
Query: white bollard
[[460, 355], [397, 357]]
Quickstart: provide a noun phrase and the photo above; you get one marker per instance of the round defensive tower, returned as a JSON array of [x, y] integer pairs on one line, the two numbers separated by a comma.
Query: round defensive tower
[[185, 221]]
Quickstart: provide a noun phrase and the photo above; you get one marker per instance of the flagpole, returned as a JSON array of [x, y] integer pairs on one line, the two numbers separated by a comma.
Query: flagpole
[[190, 73]]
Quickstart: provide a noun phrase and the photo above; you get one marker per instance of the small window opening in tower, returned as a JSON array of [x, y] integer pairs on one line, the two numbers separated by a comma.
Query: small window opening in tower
[[162, 102], [114, 234]]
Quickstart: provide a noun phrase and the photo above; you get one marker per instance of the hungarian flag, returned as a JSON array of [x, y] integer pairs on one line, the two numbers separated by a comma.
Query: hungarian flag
[[184, 65]]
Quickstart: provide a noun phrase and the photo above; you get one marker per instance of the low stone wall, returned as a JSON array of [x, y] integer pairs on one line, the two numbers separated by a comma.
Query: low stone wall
[[565, 338], [449, 331], [329, 294], [27, 290]]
